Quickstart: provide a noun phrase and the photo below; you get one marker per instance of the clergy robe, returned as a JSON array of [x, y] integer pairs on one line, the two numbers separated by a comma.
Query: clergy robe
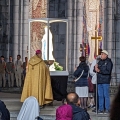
[[37, 82]]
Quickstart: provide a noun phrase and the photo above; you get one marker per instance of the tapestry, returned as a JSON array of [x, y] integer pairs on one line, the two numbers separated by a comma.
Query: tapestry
[[92, 16], [37, 9]]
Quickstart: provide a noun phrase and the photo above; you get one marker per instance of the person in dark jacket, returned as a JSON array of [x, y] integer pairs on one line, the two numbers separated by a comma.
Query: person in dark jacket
[[64, 112], [78, 113], [104, 69], [115, 107], [81, 85], [4, 113]]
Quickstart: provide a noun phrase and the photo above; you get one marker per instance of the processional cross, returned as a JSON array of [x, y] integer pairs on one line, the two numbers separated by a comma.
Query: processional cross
[[97, 39]]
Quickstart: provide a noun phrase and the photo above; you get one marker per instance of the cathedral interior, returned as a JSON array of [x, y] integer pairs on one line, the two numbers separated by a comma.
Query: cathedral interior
[[93, 25]]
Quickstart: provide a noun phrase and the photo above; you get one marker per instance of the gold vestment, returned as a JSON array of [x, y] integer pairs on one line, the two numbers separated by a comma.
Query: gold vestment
[[37, 82]]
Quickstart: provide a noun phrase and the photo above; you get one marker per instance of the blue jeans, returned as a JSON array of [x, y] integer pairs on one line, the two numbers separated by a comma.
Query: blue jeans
[[103, 94]]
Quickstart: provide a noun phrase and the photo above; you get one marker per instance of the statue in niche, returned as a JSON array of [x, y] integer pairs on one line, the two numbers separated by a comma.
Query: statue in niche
[[44, 45], [55, 66]]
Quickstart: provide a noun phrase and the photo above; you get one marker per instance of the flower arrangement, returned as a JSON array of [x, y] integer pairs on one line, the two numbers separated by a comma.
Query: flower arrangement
[[58, 67]]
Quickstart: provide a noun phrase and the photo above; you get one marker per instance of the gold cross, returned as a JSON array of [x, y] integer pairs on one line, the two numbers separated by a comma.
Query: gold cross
[[97, 39]]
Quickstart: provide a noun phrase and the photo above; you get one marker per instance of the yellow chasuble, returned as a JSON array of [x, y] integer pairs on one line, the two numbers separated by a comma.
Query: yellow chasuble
[[37, 82]]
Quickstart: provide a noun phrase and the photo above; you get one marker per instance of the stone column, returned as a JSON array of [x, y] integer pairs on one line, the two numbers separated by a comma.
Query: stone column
[[110, 36], [70, 33], [74, 44], [118, 47], [15, 28], [104, 24], [79, 28], [25, 30], [109, 28], [75, 17], [117, 39], [21, 13]]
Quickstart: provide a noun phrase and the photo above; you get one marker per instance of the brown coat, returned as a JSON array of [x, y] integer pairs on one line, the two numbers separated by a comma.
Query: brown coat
[[2, 67]]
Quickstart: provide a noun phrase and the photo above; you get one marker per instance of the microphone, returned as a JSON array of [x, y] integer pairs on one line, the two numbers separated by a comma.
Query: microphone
[[98, 57]]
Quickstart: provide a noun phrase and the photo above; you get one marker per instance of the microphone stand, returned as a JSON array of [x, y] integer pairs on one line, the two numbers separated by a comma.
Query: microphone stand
[[97, 88], [96, 93]]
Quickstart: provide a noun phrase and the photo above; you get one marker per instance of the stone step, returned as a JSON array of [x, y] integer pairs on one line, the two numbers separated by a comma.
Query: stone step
[[53, 117], [12, 101]]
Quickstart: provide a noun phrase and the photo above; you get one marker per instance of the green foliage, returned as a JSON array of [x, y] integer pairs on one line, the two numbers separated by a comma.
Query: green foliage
[[58, 67]]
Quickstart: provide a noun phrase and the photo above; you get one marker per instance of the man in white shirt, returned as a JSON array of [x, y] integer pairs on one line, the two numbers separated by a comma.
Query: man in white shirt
[[94, 78], [18, 71]]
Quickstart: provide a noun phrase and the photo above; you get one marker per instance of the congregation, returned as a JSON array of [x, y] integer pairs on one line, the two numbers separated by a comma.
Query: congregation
[[12, 73], [75, 104]]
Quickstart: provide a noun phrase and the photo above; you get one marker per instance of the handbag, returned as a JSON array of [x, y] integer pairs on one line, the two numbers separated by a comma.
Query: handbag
[[90, 85], [79, 76]]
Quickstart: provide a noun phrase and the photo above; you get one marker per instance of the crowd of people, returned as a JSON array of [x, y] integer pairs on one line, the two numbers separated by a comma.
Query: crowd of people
[[95, 78], [100, 71], [12, 73]]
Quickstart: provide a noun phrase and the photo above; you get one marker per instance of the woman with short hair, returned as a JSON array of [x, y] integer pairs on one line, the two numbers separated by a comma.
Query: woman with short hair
[[81, 83]]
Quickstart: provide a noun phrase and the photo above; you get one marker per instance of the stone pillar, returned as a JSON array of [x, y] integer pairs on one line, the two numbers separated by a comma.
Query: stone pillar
[[25, 28], [79, 28], [109, 38], [70, 33], [104, 25], [109, 27], [15, 28], [74, 41], [20, 26], [118, 47], [117, 39], [21, 13], [75, 17]]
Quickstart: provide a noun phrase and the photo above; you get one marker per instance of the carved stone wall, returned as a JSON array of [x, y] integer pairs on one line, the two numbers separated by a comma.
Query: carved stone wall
[[37, 9], [92, 10]]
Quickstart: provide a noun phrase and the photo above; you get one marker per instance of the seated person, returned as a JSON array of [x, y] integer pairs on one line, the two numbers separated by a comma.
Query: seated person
[[64, 112], [4, 113], [29, 110], [78, 113]]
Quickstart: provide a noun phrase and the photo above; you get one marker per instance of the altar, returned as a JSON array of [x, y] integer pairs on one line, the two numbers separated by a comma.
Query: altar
[[58, 73], [59, 81]]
